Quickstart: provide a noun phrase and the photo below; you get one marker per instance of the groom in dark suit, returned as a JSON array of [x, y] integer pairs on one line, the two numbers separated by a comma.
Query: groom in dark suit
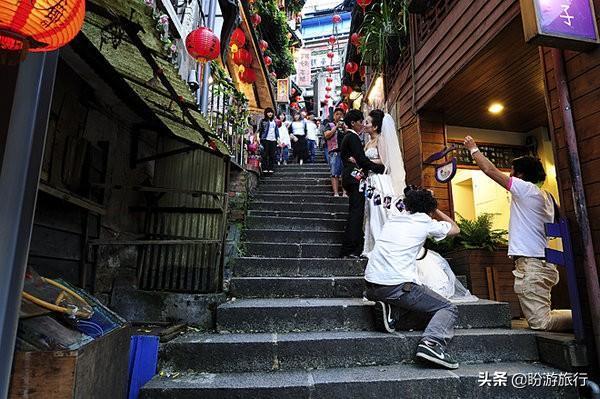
[[353, 157]]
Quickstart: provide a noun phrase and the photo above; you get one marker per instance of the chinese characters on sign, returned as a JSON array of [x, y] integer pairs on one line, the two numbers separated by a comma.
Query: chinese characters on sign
[[568, 24], [303, 74], [283, 90]]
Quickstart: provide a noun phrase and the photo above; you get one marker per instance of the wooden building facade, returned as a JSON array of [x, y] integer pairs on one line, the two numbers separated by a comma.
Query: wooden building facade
[[464, 54]]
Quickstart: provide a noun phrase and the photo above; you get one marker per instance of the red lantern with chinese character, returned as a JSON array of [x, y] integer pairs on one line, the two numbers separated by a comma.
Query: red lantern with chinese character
[[336, 19], [238, 39], [364, 4], [332, 40], [355, 39], [202, 44], [268, 60], [352, 68], [263, 45], [329, 69], [329, 79], [256, 19], [39, 25], [330, 54], [346, 90]]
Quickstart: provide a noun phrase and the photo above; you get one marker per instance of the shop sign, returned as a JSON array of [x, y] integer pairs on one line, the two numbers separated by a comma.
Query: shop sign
[[303, 68], [283, 90], [566, 24]]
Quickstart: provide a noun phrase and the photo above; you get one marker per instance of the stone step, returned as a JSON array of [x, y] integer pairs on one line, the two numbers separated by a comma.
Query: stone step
[[295, 237], [301, 214], [295, 223], [293, 181], [296, 314], [290, 250], [294, 167], [289, 188], [299, 267], [301, 198], [226, 353], [283, 174], [382, 382], [297, 287], [297, 206]]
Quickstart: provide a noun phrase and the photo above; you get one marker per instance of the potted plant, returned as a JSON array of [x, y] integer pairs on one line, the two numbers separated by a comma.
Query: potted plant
[[479, 252]]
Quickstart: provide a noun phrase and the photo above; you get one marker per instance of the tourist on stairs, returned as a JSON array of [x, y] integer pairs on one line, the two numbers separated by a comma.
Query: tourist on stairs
[[284, 141], [311, 137], [334, 133], [298, 130], [269, 136]]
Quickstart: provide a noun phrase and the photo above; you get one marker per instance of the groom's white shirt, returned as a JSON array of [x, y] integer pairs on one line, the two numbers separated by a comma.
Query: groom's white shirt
[[393, 259]]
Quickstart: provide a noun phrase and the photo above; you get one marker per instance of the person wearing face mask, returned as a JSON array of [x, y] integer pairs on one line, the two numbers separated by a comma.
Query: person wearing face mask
[[269, 136]]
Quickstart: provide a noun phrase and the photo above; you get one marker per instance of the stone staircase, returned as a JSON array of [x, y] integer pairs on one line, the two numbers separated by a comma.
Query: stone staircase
[[297, 327]]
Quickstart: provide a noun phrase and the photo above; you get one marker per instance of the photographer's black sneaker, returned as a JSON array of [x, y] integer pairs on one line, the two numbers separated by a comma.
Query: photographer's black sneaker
[[383, 317], [434, 353]]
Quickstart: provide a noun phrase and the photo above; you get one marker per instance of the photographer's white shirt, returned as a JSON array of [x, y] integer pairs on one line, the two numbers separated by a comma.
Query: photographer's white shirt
[[530, 208], [393, 259]]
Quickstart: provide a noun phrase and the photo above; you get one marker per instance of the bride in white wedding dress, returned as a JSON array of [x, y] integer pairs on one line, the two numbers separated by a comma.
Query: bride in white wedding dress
[[383, 191]]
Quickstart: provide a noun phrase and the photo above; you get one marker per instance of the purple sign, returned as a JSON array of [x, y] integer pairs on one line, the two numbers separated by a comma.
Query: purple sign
[[572, 19]]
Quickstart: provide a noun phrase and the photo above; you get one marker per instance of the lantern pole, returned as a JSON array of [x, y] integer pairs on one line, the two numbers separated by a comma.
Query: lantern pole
[[19, 177], [212, 10]]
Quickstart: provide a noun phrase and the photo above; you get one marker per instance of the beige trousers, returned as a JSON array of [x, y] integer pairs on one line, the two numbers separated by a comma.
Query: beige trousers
[[534, 279]]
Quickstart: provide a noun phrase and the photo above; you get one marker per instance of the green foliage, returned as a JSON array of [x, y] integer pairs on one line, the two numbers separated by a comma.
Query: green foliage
[[237, 112], [383, 29], [274, 30], [294, 6], [474, 234]]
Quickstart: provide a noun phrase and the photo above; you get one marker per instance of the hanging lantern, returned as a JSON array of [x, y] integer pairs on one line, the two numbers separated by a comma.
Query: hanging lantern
[[355, 39], [39, 25], [329, 69], [268, 60], [336, 19], [328, 88], [248, 76], [364, 4], [238, 39], [330, 54], [352, 68], [256, 19], [294, 105], [346, 90], [327, 96], [332, 40], [363, 72], [202, 44], [274, 75], [263, 45], [329, 79], [343, 106], [242, 57]]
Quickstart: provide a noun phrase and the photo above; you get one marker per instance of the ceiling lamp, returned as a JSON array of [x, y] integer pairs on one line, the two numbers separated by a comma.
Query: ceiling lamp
[[202, 44], [39, 25], [496, 108]]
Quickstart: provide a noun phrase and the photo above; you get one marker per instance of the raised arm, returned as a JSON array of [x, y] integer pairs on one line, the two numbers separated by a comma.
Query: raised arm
[[454, 230], [485, 164]]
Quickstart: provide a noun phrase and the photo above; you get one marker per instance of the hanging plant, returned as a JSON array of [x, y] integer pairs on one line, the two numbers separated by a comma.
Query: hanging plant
[[383, 30]]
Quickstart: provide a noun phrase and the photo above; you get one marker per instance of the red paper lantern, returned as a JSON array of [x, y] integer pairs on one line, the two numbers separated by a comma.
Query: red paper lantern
[[256, 19], [346, 90], [328, 88], [202, 44], [364, 4], [332, 40], [329, 69], [355, 39], [329, 79], [330, 54], [336, 19], [242, 57], [294, 105], [274, 75], [263, 45], [327, 96], [268, 60], [248, 76], [238, 39], [352, 67], [39, 25], [343, 106]]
